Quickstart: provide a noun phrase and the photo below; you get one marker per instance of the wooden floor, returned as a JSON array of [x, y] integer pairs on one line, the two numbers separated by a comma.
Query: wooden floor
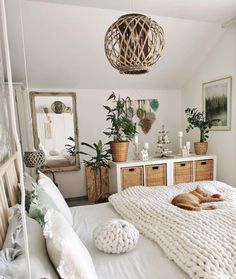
[[77, 201]]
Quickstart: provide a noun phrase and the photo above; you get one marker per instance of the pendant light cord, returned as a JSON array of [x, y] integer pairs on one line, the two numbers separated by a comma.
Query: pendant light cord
[[15, 134], [132, 6], [23, 45]]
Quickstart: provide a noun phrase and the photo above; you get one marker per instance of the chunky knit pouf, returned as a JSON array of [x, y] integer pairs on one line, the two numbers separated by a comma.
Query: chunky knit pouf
[[115, 236]]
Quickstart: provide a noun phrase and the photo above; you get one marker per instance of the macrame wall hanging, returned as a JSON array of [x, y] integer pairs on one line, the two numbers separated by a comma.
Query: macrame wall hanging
[[143, 112], [47, 124]]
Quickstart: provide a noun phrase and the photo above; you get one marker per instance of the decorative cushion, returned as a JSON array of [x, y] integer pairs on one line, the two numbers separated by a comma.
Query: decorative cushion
[[40, 203], [29, 181], [52, 191], [115, 236], [12, 258], [66, 251]]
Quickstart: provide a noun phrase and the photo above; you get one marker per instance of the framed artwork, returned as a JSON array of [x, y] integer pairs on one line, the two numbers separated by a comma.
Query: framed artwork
[[217, 103]]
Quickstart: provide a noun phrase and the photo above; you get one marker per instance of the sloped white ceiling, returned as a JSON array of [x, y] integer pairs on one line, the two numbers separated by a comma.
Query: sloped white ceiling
[[202, 10], [64, 48]]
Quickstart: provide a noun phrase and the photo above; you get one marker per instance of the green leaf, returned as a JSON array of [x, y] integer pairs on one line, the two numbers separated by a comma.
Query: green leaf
[[154, 104]]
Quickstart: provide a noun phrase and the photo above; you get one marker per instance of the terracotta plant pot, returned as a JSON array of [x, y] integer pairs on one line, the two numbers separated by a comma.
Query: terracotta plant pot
[[119, 151], [200, 148]]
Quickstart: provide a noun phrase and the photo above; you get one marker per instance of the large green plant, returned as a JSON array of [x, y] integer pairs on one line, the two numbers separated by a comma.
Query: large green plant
[[122, 128], [98, 158], [198, 120]]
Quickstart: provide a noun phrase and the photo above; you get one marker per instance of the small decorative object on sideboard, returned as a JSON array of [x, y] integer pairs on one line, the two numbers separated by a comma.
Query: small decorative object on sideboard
[[188, 147], [136, 144], [198, 120], [184, 151], [163, 140], [96, 171], [122, 128], [180, 135], [144, 152]]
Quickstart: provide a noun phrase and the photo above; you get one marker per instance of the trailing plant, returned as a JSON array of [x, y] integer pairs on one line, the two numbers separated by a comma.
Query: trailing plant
[[198, 120], [122, 128], [97, 160]]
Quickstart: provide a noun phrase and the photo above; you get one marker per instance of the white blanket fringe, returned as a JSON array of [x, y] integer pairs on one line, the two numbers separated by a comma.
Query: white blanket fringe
[[202, 243]]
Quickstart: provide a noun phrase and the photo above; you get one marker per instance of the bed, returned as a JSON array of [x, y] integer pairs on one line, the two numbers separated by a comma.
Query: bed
[[202, 243], [211, 233], [57, 161], [8, 190], [147, 260]]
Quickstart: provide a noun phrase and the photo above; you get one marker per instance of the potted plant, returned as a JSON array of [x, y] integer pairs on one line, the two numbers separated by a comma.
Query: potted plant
[[122, 128], [96, 171], [198, 120], [71, 147]]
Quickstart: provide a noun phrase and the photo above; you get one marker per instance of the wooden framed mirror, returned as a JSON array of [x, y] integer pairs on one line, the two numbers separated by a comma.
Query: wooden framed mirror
[[55, 129]]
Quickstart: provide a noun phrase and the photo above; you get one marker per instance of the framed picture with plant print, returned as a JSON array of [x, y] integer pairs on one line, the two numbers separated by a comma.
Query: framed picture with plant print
[[217, 103]]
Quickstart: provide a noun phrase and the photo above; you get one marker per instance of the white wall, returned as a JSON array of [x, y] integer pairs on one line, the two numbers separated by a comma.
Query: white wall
[[220, 63], [92, 123], [64, 47]]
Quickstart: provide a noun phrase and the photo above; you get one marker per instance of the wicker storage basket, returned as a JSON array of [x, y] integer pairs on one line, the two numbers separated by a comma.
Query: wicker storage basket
[[156, 175], [183, 172], [200, 148], [119, 151], [203, 170], [132, 176]]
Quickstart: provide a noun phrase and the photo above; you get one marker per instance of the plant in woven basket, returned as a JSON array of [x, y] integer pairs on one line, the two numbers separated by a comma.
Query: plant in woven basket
[[122, 128], [198, 120], [97, 166]]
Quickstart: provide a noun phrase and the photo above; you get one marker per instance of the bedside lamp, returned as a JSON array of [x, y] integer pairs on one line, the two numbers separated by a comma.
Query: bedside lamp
[[34, 159]]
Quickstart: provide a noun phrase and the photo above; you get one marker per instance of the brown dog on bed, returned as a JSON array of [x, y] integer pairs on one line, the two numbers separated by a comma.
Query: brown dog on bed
[[194, 199]]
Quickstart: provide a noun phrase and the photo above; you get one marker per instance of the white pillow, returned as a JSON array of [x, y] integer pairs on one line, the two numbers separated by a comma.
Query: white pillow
[[12, 257], [41, 147], [68, 254], [50, 188]]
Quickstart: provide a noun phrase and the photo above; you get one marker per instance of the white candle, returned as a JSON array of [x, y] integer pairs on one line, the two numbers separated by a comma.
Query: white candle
[[180, 134], [136, 139]]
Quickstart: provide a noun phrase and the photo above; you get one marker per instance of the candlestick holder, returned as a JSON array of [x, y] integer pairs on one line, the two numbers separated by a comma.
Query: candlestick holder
[[163, 140], [180, 134], [136, 153]]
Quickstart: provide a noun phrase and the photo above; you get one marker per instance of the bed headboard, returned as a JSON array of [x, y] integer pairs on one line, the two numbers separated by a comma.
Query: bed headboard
[[9, 180]]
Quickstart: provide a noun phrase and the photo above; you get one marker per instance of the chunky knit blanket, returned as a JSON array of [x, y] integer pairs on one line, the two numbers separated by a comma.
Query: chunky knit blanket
[[202, 243]]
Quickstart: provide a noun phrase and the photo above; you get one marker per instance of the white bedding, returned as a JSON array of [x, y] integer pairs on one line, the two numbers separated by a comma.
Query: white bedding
[[146, 261], [203, 243]]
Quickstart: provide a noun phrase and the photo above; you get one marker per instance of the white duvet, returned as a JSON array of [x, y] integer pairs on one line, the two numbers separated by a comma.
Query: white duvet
[[202, 243]]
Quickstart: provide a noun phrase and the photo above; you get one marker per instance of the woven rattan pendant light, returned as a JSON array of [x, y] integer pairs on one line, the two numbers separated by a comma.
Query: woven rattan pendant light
[[134, 43]]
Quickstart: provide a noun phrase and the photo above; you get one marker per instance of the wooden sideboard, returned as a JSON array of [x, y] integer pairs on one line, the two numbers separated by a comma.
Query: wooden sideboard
[[161, 171]]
